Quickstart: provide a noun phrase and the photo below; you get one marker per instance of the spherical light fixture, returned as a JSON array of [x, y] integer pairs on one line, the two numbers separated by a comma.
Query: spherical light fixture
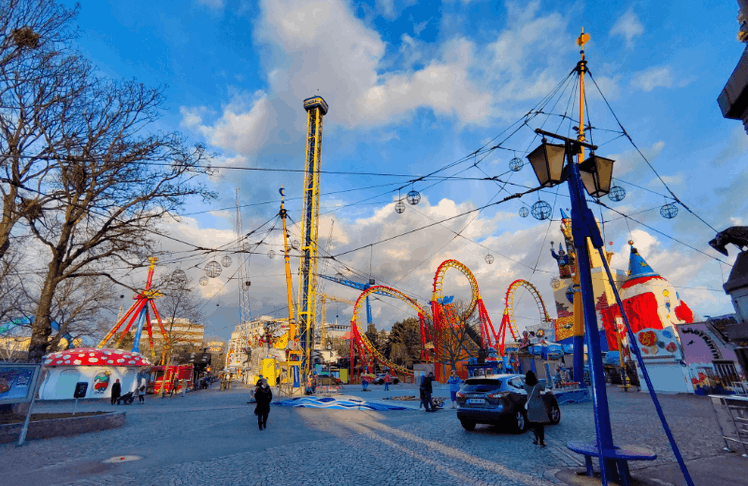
[[524, 212], [212, 269], [414, 197], [295, 244], [400, 207], [178, 275], [203, 281], [271, 254], [669, 211], [516, 164], [617, 194], [226, 261], [489, 259], [541, 210]]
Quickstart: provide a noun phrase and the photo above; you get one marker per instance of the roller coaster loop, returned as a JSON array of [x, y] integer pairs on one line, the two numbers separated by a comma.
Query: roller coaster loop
[[507, 320], [439, 284], [364, 346], [444, 318]]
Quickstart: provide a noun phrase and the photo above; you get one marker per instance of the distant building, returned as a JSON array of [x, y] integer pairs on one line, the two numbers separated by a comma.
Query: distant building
[[182, 332]]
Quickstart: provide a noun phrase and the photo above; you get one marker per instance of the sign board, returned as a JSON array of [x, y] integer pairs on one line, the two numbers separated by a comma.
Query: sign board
[[659, 344], [18, 382], [80, 389]]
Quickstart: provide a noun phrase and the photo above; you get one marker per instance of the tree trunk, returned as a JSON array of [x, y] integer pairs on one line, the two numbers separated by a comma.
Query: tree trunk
[[41, 329], [7, 221]]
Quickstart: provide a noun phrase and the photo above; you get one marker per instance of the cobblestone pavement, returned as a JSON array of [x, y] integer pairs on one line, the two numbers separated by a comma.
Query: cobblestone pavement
[[211, 438]]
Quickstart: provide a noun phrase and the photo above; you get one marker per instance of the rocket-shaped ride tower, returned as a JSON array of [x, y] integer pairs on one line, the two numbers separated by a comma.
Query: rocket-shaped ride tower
[[316, 108]]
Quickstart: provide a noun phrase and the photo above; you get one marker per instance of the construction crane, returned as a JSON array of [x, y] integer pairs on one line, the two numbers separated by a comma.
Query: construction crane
[[324, 298], [289, 291], [316, 108]]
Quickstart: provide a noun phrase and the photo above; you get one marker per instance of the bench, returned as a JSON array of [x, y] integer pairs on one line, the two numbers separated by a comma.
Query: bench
[[620, 455]]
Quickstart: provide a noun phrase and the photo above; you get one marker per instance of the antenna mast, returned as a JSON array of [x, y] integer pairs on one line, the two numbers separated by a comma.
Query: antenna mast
[[245, 311]]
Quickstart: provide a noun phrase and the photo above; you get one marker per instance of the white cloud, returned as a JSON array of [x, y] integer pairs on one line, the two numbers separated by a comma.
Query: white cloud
[[654, 77], [418, 28], [386, 8], [628, 26]]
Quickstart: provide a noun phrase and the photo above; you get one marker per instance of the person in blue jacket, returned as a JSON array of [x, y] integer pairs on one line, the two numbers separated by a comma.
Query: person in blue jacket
[[454, 386]]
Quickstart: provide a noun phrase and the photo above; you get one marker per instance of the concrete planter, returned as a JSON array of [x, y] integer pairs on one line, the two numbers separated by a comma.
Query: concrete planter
[[44, 429]]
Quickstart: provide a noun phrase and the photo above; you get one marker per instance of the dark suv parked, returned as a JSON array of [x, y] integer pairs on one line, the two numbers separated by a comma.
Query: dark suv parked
[[499, 400]]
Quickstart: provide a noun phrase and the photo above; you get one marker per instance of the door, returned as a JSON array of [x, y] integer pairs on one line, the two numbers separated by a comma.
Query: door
[[66, 384]]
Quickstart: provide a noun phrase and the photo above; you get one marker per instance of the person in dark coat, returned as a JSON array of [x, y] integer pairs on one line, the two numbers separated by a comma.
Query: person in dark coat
[[116, 391], [537, 414], [263, 395], [428, 390]]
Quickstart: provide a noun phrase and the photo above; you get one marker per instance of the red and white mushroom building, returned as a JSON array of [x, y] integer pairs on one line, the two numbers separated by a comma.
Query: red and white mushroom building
[[100, 368]]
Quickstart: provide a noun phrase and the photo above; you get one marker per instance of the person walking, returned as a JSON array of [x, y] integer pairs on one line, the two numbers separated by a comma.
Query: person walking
[[428, 391], [183, 384], [422, 390], [174, 383], [537, 414], [454, 386], [263, 395], [116, 391], [386, 382], [141, 391], [364, 384]]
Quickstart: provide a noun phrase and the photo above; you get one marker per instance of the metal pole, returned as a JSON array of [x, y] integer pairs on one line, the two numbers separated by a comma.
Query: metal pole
[[25, 428], [582, 223], [637, 352]]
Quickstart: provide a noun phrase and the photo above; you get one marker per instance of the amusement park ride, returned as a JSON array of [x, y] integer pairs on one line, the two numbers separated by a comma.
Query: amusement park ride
[[139, 312]]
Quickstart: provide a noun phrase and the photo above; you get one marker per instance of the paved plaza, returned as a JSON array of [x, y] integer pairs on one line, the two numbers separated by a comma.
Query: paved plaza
[[211, 438]]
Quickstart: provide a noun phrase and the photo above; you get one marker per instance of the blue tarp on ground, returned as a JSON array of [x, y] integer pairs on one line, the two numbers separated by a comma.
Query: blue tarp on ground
[[342, 403]]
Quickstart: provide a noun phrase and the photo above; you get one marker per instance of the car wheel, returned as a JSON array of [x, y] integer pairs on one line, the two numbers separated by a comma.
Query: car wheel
[[554, 413], [468, 424], [519, 421]]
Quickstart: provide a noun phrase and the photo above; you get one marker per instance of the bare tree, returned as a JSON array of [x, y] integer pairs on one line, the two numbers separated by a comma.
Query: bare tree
[[181, 313], [115, 183], [458, 339], [40, 81]]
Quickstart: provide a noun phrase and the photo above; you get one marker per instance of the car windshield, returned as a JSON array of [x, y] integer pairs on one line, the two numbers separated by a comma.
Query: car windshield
[[481, 385]]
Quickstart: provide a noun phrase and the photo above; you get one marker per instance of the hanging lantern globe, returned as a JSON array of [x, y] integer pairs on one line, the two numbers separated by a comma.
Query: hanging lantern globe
[[295, 244], [524, 212], [226, 261], [617, 194], [246, 246], [179, 275], [203, 281], [516, 164], [541, 210], [213, 269], [489, 259], [271, 254], [246, 284], [414, 197], [669, 211], [400, 207]]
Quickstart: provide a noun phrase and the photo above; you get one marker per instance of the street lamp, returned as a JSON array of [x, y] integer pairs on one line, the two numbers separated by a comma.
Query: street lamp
[[597, 175], [548, 163], [547, 160]]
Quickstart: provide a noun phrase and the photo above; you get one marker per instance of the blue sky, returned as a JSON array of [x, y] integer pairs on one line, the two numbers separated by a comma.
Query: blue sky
[[413, 86]]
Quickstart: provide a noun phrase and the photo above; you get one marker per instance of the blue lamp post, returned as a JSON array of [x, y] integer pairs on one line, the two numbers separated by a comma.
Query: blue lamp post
[[548, 161]]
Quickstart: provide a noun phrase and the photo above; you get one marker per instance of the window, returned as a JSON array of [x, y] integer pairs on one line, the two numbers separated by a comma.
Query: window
[[481, 385], [517, 383], [727, 372]]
